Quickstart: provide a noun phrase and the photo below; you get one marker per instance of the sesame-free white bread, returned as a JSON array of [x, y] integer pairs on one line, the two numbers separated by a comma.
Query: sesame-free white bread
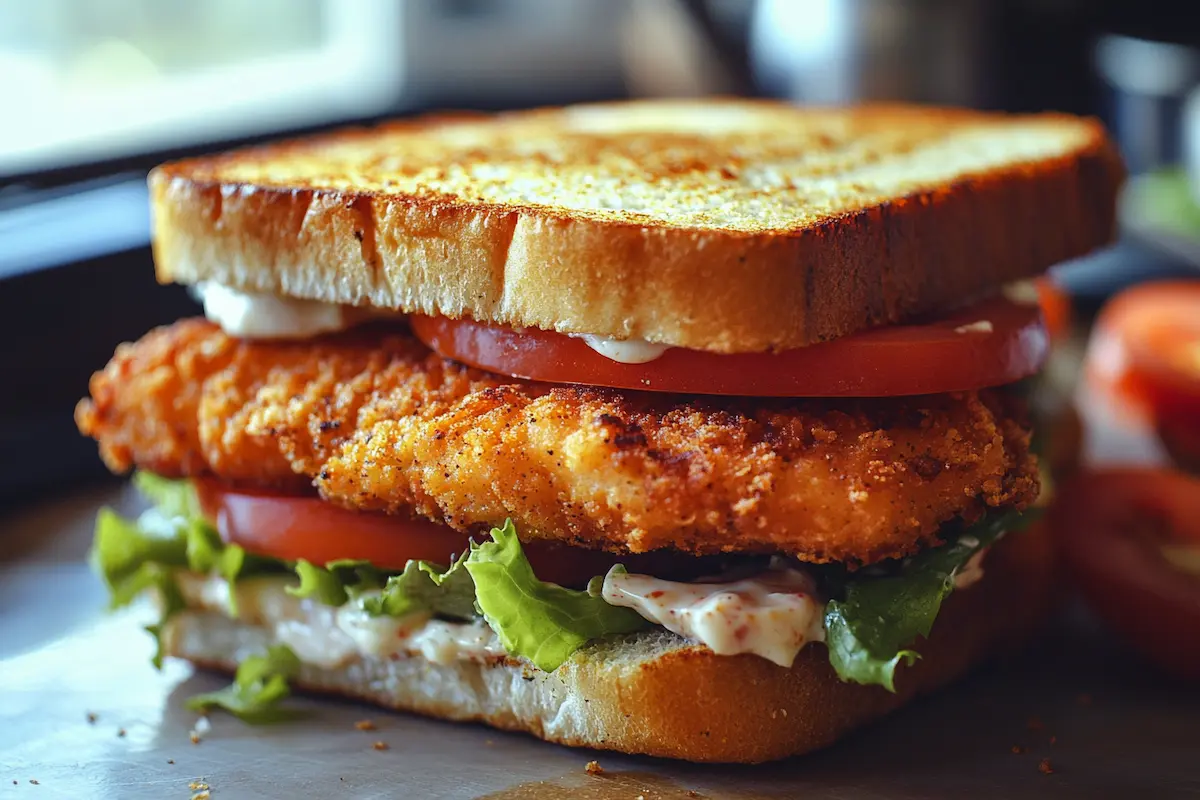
[[654, 693], [731, 226]]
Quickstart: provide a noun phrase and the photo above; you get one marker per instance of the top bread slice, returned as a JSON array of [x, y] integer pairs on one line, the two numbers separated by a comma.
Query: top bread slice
[[729, 226]]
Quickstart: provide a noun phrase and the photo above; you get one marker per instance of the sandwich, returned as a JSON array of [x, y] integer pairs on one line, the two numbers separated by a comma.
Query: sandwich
[[690, 429]]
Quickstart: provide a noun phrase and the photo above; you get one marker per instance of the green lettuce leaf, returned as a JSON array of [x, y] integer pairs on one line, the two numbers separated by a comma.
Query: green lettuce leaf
[[423, 586], [337, 581], [206, 554], [258, 686], [121, 548], [870, 629], [132, 560], [171, 497], [541, 621]]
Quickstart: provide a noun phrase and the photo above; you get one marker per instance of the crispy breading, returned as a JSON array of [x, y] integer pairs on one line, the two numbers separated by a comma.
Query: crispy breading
[[377, 422]]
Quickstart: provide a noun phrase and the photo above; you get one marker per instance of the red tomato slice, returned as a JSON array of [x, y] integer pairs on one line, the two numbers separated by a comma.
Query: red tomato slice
[[292, 528], [1112, 526], [1056, 308], [1145, 356], [988, 344]]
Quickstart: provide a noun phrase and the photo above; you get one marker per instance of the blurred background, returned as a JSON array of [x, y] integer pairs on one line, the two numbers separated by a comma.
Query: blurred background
[[95, 92]]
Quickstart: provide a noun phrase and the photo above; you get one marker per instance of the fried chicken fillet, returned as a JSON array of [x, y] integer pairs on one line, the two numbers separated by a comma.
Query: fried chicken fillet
[[375, 421]]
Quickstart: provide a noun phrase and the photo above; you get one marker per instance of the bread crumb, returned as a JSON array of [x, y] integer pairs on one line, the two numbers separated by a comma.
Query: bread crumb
[[1045, 767], [380, 745], [196, 786], [692, 793], [170, 761], [365, 725], [120, 733], [1035, 724], [593, 768], [195, 737], [1017, 749], [203, 794], [91, 718]]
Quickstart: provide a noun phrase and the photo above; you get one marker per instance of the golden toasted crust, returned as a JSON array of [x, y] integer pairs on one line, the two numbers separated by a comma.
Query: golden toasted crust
[[681, 701], [376, 422], [730, 226]]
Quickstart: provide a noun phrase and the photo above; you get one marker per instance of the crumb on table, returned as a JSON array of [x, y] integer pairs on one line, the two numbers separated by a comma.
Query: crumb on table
[[1017, 749], [1045, 767], [593, 768], [381, 745], [365, 725]]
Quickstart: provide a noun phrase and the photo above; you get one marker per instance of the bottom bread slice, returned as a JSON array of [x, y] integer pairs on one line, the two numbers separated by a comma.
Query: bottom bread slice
[[657, 694]]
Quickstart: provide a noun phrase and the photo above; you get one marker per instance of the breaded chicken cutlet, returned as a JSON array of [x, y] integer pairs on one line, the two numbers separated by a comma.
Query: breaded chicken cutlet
[[376, 422], [690, 429]]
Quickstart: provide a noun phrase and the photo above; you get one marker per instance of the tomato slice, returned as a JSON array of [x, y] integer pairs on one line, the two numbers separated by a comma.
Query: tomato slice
[[991, 343], [1144, 357], [291, 528], [1056, 308], [1117, 528]]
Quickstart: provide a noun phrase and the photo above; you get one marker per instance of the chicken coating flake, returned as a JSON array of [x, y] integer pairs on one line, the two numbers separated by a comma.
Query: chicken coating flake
[[377, 422]]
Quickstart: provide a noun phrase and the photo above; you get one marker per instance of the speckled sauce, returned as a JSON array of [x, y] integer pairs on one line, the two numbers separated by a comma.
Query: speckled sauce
[[773, 614]]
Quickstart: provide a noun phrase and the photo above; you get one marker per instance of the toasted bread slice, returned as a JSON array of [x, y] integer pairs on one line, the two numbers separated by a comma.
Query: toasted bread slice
[[730, 226], [655, 693]]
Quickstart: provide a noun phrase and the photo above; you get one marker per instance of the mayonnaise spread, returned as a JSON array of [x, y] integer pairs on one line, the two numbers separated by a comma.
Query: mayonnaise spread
[[332, 637], [773, 614], [253, 315], [250, 315], [623, 351]]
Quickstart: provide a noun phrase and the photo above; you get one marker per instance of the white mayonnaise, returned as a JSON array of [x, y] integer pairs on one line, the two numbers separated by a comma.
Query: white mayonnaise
[[250, 315], [773, 614], [332, 637], [981, 326], [624, 351], [971, 572]]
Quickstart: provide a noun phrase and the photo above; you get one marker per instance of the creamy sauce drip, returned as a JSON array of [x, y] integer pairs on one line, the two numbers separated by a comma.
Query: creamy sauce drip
[[773, 614]]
